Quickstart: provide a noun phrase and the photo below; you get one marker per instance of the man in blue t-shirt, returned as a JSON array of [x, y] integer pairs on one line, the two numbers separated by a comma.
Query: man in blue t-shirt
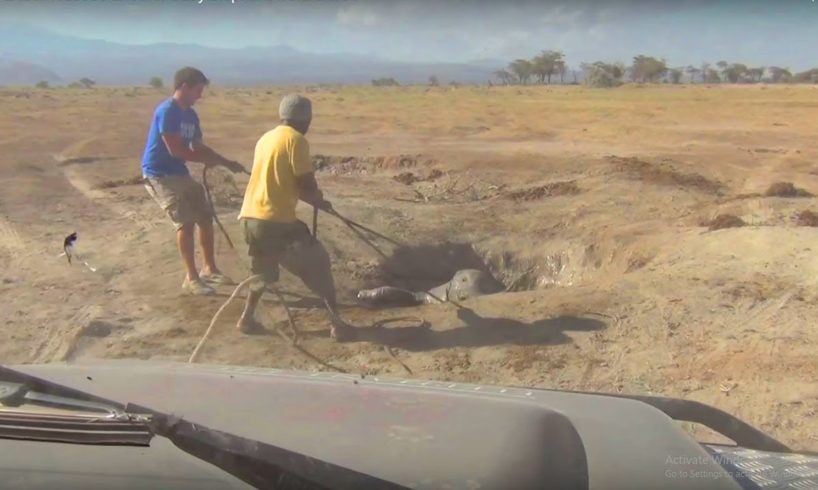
[[175, 137]]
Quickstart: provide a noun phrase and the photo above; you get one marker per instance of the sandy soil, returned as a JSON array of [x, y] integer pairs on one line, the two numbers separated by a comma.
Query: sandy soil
[[593, 206]]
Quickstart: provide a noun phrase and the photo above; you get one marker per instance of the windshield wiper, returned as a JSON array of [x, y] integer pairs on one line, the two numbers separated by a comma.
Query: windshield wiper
[[68, 419], [257, 463]]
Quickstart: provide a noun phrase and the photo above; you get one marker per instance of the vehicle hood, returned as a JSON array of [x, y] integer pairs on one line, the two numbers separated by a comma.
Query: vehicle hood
[[420, 434]]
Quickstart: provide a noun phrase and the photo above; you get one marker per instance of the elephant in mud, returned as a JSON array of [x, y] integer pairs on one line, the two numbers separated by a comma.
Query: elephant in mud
[[466, 283]]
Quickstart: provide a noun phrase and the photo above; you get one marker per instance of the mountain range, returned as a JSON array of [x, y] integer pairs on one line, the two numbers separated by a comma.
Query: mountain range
[[29, 55]]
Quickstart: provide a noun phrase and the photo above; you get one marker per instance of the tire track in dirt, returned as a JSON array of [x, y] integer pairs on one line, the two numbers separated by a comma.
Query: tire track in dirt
[[11, 241], [62, 339], [86, 189]]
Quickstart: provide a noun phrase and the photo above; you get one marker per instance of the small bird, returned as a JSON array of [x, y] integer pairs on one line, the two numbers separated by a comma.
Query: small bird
[[68, 245]]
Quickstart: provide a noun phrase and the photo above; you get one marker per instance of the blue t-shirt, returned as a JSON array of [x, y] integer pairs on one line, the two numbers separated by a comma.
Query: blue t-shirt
[[169, 117]]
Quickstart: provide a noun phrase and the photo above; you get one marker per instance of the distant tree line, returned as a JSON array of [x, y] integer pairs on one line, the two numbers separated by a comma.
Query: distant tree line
[[155, 82], [385, 82], [550, 66], [541, 69]]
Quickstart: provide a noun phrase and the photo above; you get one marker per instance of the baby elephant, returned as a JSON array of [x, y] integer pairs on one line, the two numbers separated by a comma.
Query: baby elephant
[[466, 283]]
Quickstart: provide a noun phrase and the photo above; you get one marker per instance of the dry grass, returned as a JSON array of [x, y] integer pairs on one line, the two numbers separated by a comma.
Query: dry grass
[[786, 189], [807, 218], [409, 178], [569, 188], [664, 174], [723, 221]]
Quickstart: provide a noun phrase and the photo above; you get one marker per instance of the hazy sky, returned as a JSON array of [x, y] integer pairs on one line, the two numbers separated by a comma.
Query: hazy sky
[[756, 32]]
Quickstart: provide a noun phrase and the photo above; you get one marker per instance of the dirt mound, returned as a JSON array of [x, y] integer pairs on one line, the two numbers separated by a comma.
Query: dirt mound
[[807, 218], [439, 187], [344, 165], [664, 174], [409, 178], [786, 189], [111, 184], [723, 221], [568, 188]]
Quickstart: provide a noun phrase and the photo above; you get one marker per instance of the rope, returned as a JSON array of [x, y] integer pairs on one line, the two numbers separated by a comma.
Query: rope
[[201, 343], [213, 208], [293, 341]]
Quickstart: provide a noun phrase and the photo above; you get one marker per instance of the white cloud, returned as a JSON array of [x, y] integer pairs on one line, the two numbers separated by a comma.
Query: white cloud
[[562, 15], [359, 15], [519, 35], [511, 44]]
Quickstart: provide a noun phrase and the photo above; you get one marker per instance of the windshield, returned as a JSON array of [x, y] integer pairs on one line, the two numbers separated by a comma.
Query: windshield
[[592, 196]]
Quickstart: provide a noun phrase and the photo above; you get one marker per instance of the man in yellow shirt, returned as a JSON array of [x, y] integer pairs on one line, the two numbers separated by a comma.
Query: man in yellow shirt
[[282, 175]]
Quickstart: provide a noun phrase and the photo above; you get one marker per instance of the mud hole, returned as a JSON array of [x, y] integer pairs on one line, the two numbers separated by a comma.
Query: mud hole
[[664, 173], [426, 266]]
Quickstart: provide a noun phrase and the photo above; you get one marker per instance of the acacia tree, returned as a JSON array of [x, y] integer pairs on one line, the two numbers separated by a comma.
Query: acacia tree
[[647, 69], [755, 74], [712, 76], [601, 74], [156, 82], [522, 69], [505, 77], [722, 66], [547, 64], [562, 68], [734, 72], [778, 74], [692, 72], [675, 75], [705, 72]]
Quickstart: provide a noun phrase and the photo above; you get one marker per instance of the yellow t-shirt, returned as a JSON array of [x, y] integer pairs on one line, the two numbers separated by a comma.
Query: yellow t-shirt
[[281, 155]]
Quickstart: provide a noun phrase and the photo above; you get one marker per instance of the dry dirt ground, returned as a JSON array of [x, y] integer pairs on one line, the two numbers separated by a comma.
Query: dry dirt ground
[[593, 206]]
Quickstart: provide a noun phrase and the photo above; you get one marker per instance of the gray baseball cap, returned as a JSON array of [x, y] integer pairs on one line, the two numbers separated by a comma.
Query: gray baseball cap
[[296, 108]]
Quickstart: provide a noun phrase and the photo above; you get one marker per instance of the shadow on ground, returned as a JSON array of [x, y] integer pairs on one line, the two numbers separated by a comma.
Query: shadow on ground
[[291, 299], [480, 331]]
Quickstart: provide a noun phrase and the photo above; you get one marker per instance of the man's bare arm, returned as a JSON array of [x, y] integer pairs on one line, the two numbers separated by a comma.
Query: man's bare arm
[[197, 152], [309, 192]]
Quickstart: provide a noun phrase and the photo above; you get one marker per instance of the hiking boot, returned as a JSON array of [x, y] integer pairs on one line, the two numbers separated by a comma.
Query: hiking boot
[[217, 278], [197, 287]]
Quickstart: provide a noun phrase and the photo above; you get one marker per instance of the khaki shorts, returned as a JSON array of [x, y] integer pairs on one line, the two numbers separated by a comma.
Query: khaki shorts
[[181, 197], [269, 243], [291, 246]]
